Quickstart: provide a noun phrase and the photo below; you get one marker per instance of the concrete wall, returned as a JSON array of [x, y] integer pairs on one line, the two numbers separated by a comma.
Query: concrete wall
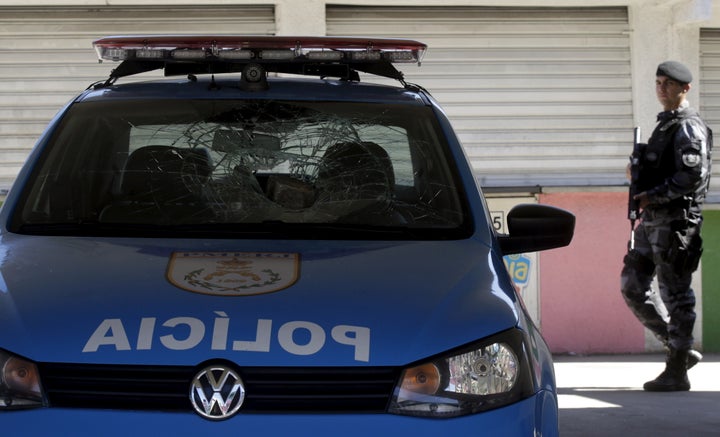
[[582, 309]]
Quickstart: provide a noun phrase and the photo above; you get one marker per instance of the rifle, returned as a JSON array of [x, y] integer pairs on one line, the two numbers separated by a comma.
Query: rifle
[[633, 204]]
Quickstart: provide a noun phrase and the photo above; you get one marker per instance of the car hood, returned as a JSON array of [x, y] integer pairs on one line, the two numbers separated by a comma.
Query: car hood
[[254, 302]]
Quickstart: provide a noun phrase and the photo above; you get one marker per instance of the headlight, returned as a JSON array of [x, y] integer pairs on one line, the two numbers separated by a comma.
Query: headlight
[[19, 383], [483, 376]]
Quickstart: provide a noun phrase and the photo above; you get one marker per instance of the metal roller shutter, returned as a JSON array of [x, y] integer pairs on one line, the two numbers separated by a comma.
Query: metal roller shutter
[[46, 58], [710, 98], [539, 96]]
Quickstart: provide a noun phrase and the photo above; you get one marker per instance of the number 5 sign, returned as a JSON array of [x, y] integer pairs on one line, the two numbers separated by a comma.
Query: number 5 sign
[[498, 221]]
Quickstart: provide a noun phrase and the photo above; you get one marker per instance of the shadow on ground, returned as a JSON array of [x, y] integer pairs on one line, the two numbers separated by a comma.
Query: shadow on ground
[[603, 396]]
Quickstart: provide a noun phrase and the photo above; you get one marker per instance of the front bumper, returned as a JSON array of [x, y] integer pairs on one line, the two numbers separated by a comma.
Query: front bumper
[[535, 416]]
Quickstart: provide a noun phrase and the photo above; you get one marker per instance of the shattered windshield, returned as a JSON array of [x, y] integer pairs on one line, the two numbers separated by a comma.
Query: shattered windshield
[[243, 166]]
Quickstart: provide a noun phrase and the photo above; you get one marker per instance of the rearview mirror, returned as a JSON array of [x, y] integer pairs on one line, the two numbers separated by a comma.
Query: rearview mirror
[[232, 140], [533, 227]]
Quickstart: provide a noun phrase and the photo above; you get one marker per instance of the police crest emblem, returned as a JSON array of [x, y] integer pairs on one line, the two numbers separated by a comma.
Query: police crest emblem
[[233, 273]]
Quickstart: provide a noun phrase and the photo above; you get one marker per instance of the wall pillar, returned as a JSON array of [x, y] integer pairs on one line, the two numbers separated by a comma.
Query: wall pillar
[[300, 19]]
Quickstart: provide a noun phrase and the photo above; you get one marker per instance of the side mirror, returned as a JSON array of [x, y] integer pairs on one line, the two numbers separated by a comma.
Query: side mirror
[[533, 227]]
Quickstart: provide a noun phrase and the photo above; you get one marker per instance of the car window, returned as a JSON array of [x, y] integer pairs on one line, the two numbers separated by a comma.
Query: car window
[[226, 162]]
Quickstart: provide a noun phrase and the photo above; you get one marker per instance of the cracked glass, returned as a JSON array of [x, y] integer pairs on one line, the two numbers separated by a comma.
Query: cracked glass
[[271, 167]]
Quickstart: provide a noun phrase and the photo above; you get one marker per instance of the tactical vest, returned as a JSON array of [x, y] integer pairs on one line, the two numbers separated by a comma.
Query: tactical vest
[[658, 160]]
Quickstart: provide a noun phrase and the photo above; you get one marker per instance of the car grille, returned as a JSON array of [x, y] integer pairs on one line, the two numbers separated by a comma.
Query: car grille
[[274, 389]]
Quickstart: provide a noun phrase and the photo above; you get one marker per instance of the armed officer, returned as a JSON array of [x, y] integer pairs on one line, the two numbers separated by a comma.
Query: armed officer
[[671, 179]]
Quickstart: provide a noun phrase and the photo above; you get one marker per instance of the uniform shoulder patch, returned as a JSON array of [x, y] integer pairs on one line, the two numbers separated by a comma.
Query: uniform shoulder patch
[[691, 158]]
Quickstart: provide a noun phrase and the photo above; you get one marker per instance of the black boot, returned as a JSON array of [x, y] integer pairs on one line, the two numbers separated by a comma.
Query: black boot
[[694, 356], [674, 377]]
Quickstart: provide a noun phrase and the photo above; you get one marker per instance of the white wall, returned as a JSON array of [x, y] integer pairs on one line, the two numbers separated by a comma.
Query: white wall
[[662, 30]]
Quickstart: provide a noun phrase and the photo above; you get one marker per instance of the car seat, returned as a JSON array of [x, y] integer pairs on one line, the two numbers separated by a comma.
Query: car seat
[[161, 182], [355, 171]]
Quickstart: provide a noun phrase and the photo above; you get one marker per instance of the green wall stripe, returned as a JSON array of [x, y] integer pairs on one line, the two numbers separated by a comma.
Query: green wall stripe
[[711, 281]]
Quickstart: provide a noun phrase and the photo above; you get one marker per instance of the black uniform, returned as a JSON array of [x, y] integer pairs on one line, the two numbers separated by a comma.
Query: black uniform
[[675, 173]]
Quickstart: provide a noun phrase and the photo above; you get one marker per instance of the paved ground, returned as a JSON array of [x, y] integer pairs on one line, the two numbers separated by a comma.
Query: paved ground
[[603, 396]]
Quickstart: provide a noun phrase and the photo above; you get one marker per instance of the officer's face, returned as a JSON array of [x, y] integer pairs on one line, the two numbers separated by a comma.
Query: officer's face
[[670, 92]]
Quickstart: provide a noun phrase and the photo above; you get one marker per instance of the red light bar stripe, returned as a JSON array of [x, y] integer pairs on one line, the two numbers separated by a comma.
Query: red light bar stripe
[[257, 42]]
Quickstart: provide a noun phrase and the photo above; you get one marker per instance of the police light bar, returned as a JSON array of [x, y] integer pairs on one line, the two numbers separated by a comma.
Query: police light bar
[[258, 49]]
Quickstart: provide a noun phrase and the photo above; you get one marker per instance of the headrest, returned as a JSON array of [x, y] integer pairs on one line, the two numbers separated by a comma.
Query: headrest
[[362, 169], [171, 171]]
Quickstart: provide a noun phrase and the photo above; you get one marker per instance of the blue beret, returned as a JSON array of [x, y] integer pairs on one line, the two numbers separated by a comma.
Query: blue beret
[[674, 70]]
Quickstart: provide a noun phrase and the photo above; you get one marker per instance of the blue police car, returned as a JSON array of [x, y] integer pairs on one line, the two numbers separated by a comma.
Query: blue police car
[[261, 244]]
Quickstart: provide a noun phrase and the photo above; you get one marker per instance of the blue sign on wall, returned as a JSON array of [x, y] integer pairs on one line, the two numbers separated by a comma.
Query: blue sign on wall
[[519, 267]]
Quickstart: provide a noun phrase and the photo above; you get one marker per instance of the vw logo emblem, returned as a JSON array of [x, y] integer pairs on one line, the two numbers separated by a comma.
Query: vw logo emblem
[[217, 392]]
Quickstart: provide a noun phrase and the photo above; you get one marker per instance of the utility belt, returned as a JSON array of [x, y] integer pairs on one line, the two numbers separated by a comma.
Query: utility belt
[[683, 208], [664, 213]]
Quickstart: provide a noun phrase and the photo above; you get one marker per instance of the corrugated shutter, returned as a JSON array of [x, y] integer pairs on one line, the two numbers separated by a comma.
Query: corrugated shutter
[[539, 96], [710, 99], [46, 58]]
